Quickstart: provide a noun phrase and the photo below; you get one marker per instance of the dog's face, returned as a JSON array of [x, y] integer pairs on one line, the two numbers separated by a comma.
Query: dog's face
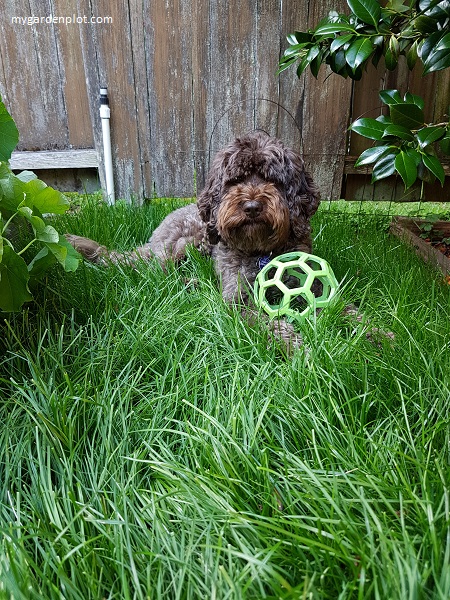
[[258, 198], [253, 218]]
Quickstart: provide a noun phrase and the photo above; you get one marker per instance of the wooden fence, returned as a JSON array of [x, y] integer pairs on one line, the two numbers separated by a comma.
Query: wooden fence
[[184, 77]]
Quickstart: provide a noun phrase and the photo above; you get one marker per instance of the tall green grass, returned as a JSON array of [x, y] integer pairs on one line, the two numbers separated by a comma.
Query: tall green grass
[[155, 445]]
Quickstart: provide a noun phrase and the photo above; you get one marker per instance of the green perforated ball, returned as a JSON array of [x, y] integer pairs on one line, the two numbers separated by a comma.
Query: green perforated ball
[[295, 285]]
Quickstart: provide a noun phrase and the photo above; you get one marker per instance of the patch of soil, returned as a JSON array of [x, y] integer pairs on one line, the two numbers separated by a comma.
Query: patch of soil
[[439, 245], [434, 248]]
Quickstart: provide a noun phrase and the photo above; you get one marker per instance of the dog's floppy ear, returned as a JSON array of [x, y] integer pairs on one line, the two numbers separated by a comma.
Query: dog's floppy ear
[[209, 198], [301, 192]]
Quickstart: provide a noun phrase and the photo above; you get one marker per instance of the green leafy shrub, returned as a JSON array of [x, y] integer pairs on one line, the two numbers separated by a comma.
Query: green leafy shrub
[[24, 199], [417, 29], [404, 143]]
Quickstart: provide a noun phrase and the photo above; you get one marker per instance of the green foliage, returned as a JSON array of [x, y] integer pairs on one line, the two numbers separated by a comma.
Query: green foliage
[[416, 29], [419, 29], [404, 143], [23, 201]]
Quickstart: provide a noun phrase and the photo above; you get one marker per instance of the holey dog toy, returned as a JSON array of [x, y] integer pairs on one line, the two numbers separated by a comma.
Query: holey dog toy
[[294, 285]]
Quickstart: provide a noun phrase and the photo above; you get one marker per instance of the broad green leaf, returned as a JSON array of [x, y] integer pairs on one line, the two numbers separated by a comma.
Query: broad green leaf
[[394, 46], [26, 176], [429, 135], [437, 61], [307, 60], [407, 115], [340, 41], [369, 128], [43, 232], [406, 167], [65, 254], [390, 60], [391, 97], [384, 167], [294, 51], [413, 99], [411, 56], [358, 52], [425, 24], [13, 281], [11, 189], [43, 260], [414, 155], [44, 198], [72, 257], [432, 164], [337, 61], [9, 136], [284, 64], [299, 37], [400, 132], [428, 45], [371, 155], [368, 11], [331, 29]]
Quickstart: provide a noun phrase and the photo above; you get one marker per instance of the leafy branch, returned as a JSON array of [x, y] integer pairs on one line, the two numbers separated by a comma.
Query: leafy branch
[[417, 29], [403, 142], [24, 199]]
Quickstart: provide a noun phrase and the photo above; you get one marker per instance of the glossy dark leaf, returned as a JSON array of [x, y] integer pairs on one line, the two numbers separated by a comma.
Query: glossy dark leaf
[[299, 37], [340, 41], [384, 167], [337, 61], [391, 97], [331, 29], [371, 155], [359, 51], [432, 164], [425, 24], [407, 115], [414, 99], [406, 167], [400, 132], [416, 156], [307, 60], [411, 56], [369, 128], [428, 46], [429, 135], [438, 60], [315, 65], [368, 11], [390, 60]]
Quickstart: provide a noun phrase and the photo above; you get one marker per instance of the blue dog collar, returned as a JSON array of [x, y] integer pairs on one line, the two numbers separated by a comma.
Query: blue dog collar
[[263, 261]]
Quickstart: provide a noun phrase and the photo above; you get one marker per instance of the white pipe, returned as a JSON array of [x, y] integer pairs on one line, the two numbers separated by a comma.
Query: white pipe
[[105, 114]]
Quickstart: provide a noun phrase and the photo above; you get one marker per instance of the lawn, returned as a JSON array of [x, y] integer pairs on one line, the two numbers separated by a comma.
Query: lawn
[[155, 445]]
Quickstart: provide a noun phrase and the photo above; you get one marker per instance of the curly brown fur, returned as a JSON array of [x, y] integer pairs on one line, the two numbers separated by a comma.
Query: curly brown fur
[[257, 203]]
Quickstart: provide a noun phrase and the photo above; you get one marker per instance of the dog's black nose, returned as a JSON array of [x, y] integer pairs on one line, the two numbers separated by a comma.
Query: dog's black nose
[[252, 208]]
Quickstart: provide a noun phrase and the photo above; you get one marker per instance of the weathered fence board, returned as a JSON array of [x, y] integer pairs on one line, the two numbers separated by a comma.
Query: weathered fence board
[[184, 78]]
